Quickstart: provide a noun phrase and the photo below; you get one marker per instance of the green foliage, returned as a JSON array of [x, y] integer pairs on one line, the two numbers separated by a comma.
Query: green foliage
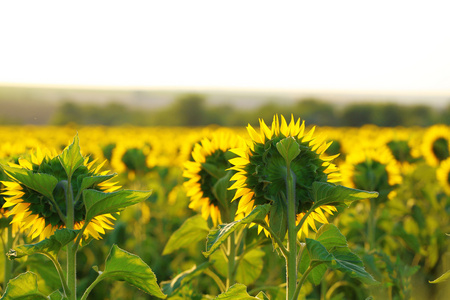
[[191, 231], [239, 292], [24, 287], [182, 279], [71, 158], [122, 265]]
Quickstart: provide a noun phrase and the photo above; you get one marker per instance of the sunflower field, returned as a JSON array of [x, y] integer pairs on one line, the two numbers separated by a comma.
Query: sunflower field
[[284, 210]]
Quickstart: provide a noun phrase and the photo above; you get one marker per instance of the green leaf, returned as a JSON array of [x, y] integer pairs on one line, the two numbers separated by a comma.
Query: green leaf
[[248, 270], [289, 149], [278, 219], [23, 287], [217, 236], [56, 295], [172, 286], [90, 181], [50, 246], [317, 252], [348, 262], [442, 278], [329, 194], [221, 191], [99, 203], [190, 232], [239, 292], [71, 158], [40, 182], [331, 237], [122, 265]]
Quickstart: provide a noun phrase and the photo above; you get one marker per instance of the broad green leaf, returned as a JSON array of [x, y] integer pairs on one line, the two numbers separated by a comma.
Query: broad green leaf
[[249, 269], [442, 278], [217, 236], [23, 287], [40, 182], [48, 279], [278, 219], [122, 265], [348, 262], [90, 181], [239, 292], [317, 252], [288, 148], [331, 237], [316, 274], [170, 287], [329, 194], [71, 158], [190, 232], [49, 246], [99, 203]]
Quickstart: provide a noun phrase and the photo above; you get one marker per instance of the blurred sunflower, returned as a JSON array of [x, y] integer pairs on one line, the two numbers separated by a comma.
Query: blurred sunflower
[[373, 169], [443, 175], [209, 165], [35, 212], [260, 176], [436, 144]]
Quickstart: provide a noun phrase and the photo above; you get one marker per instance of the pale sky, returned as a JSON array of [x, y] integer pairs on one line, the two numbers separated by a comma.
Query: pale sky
[[305, 45]]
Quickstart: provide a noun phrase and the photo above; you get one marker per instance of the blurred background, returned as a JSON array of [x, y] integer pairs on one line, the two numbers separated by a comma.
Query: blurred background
[[178, 63]]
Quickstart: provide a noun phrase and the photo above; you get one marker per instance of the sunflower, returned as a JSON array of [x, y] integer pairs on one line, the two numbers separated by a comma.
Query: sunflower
[[373, 169], [443, 175], [260, 176], [36, 213], [436, 144], [209, 164]]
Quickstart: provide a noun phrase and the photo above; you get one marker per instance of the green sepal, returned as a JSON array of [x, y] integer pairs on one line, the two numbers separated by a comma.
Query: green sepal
[[39, 182], [172, 286], [190, 232], [23, 287], [50, 246], [289, 149], [325, 193], [124, 266], [71, 158], [239, 292], [217, 236], [100, 203], [444, 277]]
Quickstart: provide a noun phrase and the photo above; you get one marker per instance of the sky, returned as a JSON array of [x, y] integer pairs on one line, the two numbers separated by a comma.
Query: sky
[[324, 45]]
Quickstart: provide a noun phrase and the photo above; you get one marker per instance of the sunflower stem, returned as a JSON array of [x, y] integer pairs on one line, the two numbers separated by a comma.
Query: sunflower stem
[[291, 264], [8, 263], [371, 226], [275, 238], [231, 260], [71, 251], [61, 274]]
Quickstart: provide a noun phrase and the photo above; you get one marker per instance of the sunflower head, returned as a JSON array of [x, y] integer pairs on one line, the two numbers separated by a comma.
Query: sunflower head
[[373, 169], [208, 175], [443, 175], [36, 194], [436, 144], [261, 169]]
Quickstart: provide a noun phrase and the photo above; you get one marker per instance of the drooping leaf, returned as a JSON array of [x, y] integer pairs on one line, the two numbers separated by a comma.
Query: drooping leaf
[[122, 265], [172, 286], [99, 203], [217, 236], [71, 158], [40, 182], [288, 148], [317, 252], [331, 237], [23, 287], [329, 194], [239, 292], [442, 278], [348, 262], [50, 246], [190, 232]]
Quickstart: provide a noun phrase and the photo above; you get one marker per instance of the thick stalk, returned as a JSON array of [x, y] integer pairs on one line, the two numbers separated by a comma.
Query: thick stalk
[[291, 266], [71, 252], [371, 226], [8, 263]]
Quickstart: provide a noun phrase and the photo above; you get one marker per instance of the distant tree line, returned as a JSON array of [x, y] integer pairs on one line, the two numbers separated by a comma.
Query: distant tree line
[[193, 110]]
